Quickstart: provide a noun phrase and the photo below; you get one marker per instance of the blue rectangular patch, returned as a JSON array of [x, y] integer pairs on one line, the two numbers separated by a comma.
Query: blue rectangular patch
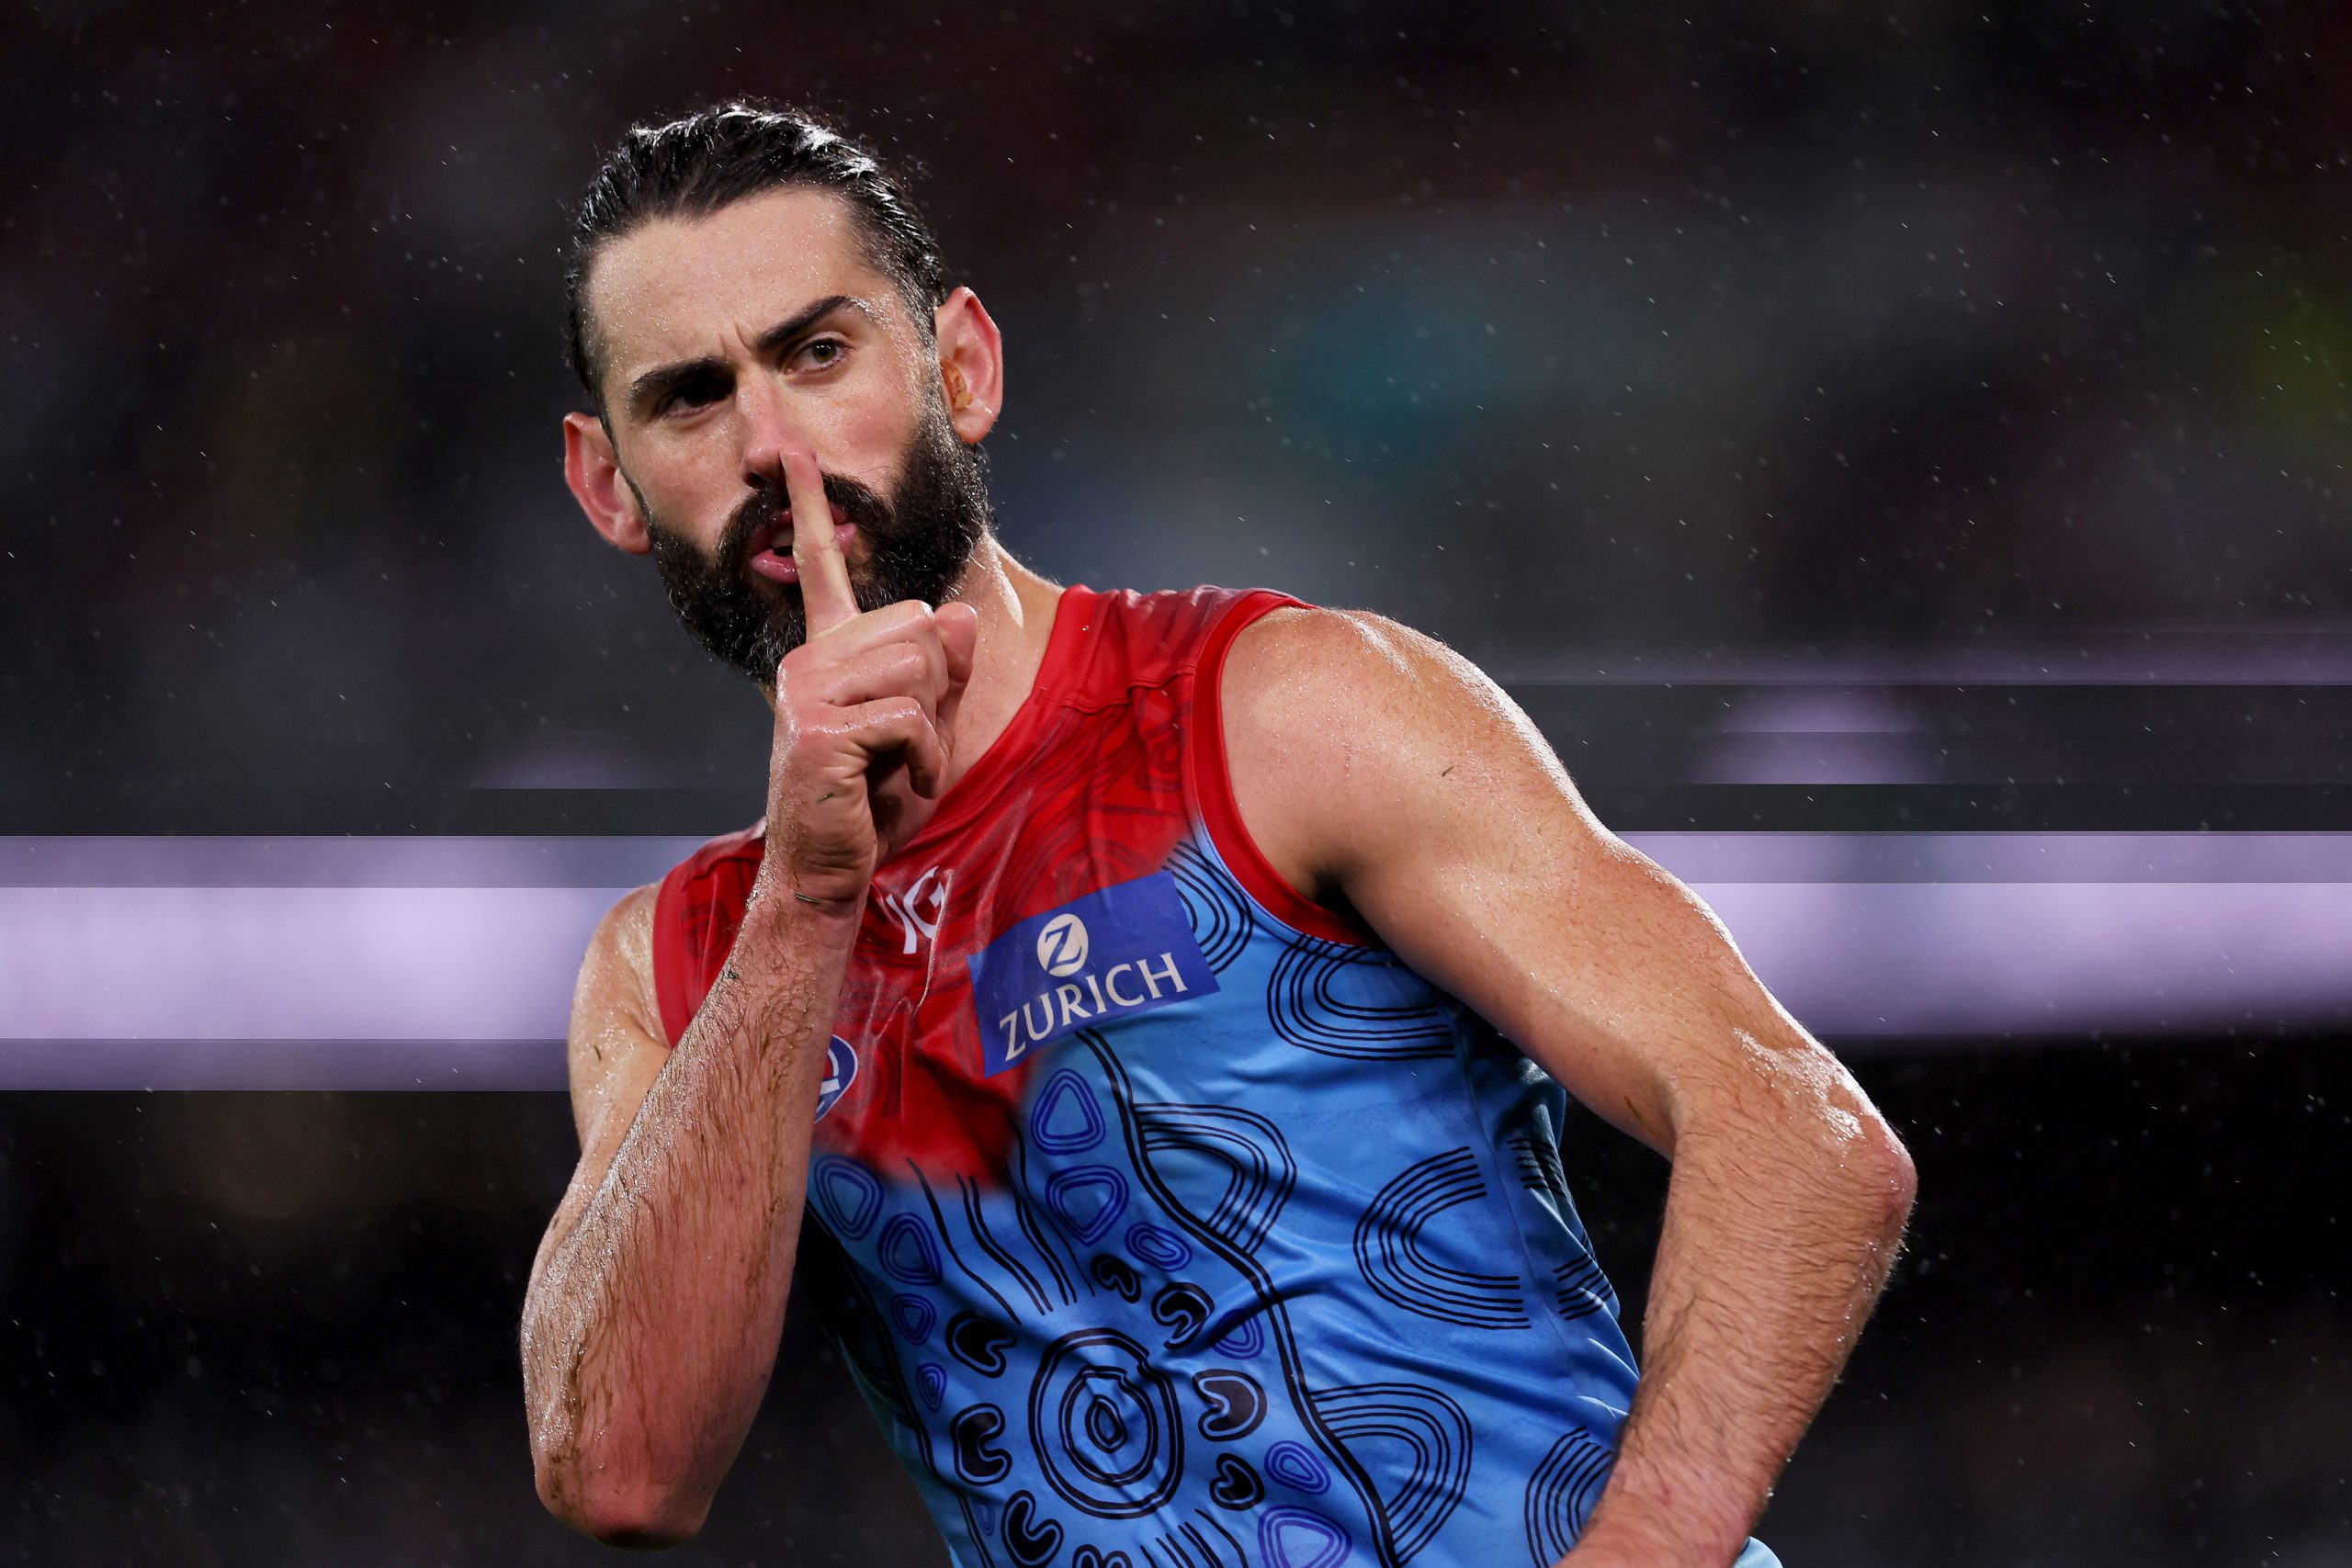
[[1111, 954]]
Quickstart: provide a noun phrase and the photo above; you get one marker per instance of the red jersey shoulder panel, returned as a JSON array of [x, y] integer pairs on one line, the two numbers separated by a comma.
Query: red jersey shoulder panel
[[1208, 781], [1150, 639], [1124, 643]]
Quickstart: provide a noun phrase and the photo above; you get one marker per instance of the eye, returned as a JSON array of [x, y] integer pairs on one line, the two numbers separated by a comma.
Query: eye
[[690, 395], [824, 352]]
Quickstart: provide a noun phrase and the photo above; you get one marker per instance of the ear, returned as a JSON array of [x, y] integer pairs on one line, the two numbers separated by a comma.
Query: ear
[[971, 365], [595, 475]]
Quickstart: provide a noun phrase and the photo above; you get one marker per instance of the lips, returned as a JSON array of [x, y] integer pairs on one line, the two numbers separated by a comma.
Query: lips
[[778, 533], [770, 549]]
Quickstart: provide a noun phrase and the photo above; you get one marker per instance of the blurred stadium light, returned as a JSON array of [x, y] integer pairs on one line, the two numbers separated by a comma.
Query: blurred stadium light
[[447, 963]]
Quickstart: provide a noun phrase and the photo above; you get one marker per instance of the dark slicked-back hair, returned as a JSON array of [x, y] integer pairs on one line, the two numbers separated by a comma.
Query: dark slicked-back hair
[[716, 156]]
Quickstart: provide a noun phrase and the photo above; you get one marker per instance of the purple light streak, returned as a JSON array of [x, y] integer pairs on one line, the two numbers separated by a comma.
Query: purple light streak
[[448, 962]]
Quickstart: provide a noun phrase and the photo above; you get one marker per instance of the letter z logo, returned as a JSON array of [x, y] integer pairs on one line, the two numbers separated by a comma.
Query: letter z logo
[[1062, 946]]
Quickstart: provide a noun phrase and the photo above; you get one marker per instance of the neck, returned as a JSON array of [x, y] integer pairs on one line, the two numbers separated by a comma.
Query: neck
[[1016, 616]]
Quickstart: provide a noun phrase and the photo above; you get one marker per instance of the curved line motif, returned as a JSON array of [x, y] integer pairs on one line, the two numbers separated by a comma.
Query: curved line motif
[[1561, 1492], [1259, 1171], [1537, 1160], [1105, 1427], [1222, 922], [1182, 1308], [1025, 1202], [996, 1249], [1062, 1101], [940, 1215], [1301, 1537], [1304, 1008], [1210, 1520], [915, 1315], [1068, 1194], [930, 1382], [1031, 1540], [906, 1252], [1237, 1487], [1160, 1248], [1024, 1215], [1269, 1306], [1234, 1403], [1239, 1334], [1580, 1289], [980, 1459], [979, 1343], [1295, 1466], [849, 1195], [1388, 1250], [980, 1522], [1116, 1275], [1435, 1435]]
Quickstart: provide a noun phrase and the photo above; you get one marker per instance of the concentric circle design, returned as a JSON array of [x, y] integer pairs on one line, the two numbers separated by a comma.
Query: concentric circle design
[[1103, 1424], [1294, 1464], [1301, 1537], [1160, 1248]]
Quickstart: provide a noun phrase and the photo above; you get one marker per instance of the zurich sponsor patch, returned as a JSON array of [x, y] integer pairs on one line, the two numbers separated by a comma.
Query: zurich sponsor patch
[[1111, 954], [841, 1070]]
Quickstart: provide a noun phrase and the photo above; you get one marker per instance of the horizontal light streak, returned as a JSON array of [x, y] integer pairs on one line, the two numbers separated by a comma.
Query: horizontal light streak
[[448, 962]]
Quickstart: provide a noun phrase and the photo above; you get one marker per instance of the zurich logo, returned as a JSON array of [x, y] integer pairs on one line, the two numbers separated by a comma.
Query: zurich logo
[[841, 1071], [1119, 951], [1062, 946]]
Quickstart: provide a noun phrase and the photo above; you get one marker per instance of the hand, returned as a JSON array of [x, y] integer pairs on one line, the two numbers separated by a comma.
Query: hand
[[864, 717]]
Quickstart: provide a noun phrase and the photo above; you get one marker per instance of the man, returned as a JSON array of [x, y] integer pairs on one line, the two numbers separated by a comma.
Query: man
[[1141, 1023]]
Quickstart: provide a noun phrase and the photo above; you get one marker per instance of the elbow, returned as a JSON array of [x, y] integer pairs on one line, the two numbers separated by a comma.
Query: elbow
[[1888, 1180], [610, 1506]]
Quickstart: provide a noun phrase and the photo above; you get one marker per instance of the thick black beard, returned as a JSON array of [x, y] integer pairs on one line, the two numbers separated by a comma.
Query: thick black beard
[[918, 544]]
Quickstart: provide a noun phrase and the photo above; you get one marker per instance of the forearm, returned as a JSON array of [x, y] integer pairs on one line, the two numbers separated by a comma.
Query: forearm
[[651, 1327], [1783, 1215]]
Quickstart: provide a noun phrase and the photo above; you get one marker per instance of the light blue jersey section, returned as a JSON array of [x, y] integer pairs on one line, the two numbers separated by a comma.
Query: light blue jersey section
[[1281, 1269]]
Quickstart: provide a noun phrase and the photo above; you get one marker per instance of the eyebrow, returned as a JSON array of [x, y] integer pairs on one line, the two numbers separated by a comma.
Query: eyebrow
[[650, 386]]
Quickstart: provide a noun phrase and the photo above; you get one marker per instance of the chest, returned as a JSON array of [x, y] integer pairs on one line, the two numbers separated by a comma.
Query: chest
[[1043, 907]]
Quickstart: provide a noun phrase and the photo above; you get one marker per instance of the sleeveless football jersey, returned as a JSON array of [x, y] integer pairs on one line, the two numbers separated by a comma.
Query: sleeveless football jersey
[[1165, 1217]]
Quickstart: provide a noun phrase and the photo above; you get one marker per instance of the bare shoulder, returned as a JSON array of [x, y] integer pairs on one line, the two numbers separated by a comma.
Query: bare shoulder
[[1355, 646], [615, 1044], [1301, 664], [622, 940], [1342, 726]]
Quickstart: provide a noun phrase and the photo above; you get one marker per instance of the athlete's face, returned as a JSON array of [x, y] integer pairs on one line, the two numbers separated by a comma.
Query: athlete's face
[[725, 341]]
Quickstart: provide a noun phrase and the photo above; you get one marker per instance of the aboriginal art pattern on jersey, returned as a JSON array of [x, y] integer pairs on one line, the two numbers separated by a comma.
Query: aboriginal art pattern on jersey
[[1163, 1217]]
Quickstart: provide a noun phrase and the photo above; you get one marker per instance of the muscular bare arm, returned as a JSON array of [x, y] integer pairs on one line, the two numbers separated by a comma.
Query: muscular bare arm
[[651, 1325], [655, 1306], [1379, 771]]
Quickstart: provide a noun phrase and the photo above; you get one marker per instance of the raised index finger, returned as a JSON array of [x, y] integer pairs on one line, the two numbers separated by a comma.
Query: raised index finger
[[825, 594]]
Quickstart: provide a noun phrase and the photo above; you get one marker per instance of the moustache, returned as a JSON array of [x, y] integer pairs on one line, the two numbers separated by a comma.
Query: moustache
[[765, 516]]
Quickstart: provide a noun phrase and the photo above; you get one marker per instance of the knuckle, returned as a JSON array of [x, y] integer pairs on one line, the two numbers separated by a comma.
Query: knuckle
[[897, 665]]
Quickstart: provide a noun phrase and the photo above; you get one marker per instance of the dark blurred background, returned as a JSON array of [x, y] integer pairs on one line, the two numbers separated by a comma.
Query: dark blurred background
[[1905, 443]]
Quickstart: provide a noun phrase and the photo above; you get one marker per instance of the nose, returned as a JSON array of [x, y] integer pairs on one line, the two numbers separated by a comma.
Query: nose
[[769, 431]]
